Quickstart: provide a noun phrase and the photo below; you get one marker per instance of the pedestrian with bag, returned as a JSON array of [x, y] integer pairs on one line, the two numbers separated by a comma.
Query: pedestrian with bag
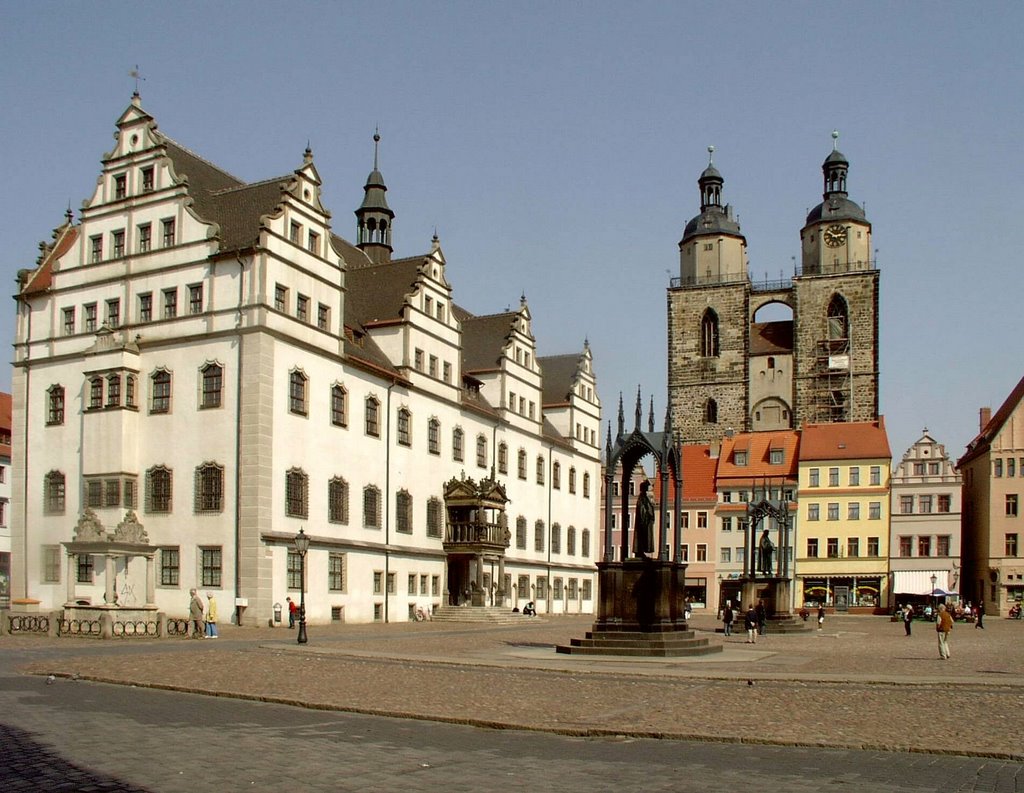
[[908, 617], [195, 614], [727, 618], [211, 616]]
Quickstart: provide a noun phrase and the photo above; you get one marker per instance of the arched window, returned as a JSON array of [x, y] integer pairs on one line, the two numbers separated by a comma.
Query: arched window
[[521, 532], [113, 390], [540, 470], [586, 485], [158, 489], [522, 463], [96, 392], [372, 417], [585, 543], [458, 445], [403, 512], [838, 319], [556, 538], [209, 488], [538, 536], [129, 391], [55, 493], [556, 476], [337, 500], [339, 406], [371, 507], [709, 335], [572, 479], [213, 381], [296, 494], [434, 436], [435, 517], [711, 412], [55, 404], [502, 458], [404, 427], [297, 392], [481, 450], [570, 541]]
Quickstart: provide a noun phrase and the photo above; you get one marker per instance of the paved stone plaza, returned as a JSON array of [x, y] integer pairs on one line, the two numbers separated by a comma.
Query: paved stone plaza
[[859, 684]]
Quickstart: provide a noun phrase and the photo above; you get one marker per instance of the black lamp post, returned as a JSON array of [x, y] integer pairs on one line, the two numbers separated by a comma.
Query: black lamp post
[[934, 600], [302, 545]]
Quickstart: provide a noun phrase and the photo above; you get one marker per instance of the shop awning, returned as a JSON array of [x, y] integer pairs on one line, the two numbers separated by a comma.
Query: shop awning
[[919, 582]]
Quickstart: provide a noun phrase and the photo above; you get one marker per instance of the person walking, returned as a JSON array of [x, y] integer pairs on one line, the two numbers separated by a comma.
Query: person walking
[[821, 617], [980, 621], [195, 614], [293, 612], [750, 623], [762, 617], [727, 618], [943, 625], [908, 617], [211, 616]]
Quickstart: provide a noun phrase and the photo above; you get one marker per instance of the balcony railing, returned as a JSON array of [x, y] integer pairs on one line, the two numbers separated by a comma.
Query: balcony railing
[[472, 533], [770, 285]]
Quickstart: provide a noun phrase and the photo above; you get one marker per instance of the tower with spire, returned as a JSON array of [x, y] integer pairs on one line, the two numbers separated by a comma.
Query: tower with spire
[[728, 370], [374, 217]]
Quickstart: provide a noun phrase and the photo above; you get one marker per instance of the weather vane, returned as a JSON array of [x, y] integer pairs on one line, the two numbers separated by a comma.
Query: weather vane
[[137, 76]]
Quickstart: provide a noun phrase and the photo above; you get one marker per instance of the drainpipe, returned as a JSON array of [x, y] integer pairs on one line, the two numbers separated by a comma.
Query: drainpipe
[[24, 484], [387, 501], [238, 442], [551, 528]]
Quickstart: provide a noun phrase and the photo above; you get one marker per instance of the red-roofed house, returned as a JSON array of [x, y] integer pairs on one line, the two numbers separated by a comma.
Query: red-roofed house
[[843, 545], [991, 517]]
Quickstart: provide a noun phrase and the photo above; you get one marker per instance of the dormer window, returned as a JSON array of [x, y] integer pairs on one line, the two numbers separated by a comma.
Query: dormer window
[[775, 456], [294, 232], [739, 457], [147, 180]]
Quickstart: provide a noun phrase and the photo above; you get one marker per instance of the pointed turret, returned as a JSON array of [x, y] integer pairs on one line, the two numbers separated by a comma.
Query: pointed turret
[[374, 217]]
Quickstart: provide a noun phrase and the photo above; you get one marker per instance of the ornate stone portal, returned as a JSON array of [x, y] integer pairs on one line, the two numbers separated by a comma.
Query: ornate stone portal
[[476, 536], [642, 595]]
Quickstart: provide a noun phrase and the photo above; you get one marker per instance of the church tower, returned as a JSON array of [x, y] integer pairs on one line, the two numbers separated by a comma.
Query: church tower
[[374, 217], [707, 320], [836, 308], [729, 372]]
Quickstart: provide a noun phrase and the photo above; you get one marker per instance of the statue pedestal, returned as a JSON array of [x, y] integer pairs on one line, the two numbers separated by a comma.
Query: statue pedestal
[[641, 595], [775, 592]]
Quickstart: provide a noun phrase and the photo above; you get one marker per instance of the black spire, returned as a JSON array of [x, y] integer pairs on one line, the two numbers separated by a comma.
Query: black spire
[[374, 217]]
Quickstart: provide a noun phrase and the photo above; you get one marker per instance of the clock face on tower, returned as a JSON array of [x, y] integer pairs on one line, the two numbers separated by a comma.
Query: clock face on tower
[[834, 235]]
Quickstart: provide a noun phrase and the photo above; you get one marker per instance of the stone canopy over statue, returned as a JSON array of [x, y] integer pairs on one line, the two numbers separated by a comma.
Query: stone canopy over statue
[[643, 535], [765, 554]]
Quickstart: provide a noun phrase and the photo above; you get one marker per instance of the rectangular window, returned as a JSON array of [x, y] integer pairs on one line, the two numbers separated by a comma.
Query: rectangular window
[[833, 511], [280, 298], [435, 585], [417, 359], [146, 307], [336, 572], [294, 232], [725, 555], [1011, 467], [873, 546], [542, 588], [854, 476], [832, 547], [446, 369], [170, 564], [702, 552], [210, 560], [702, 519], [85, 569], [51, 564], [412, 584], [168, 232], [170, 303], [814, 474], [391, 580], [924, 546], [853, 510], [944, 502], [998, 466], [147, 180], [1011, 545], [813, 512], [833, 477], [906, 547], [195, 299], [69, 321], [113, 313], [378, 582], [875, 510], [117, 243], [876, 475], [432, 366], [96, 249], [918, 469], [90, 318], [924, 504], [302, 308], [727, 524], [853, 546], [120, 186], [313, 243], [144, 238], [775, 457], [812, 547], [906, 505], [323, 316], [942, 545], [1011, 505]]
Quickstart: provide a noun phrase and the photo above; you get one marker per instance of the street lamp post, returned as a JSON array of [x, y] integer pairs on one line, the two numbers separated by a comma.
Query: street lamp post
[[934, 607], [302, 545]]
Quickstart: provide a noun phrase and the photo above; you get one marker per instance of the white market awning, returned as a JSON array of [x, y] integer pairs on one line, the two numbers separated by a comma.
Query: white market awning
[[919, 582]]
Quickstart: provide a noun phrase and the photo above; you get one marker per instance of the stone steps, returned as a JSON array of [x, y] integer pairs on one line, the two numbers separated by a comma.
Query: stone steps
[[669, 644], [494, 615]]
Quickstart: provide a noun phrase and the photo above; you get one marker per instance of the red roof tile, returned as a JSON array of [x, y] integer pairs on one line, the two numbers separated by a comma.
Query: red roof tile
[[855, 440], [758, 445]]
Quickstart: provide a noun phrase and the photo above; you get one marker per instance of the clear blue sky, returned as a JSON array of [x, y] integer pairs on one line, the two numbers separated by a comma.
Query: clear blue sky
[[555, 146]]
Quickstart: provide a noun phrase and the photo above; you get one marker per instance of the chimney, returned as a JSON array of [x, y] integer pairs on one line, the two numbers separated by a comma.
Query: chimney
[[985, 416], [715, 449]]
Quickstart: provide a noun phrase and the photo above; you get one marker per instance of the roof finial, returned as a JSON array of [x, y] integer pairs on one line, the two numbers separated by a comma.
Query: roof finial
[[638, 411], [650, 416], [711, 155], [835, 140], [68, 214], [376, 145], [137, 76]]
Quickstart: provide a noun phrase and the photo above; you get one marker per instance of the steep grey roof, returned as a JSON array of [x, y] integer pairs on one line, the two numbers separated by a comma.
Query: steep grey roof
[[483, 339], [836, 207], [354, 257], [559, 373], [377, 292], [713, 220]]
